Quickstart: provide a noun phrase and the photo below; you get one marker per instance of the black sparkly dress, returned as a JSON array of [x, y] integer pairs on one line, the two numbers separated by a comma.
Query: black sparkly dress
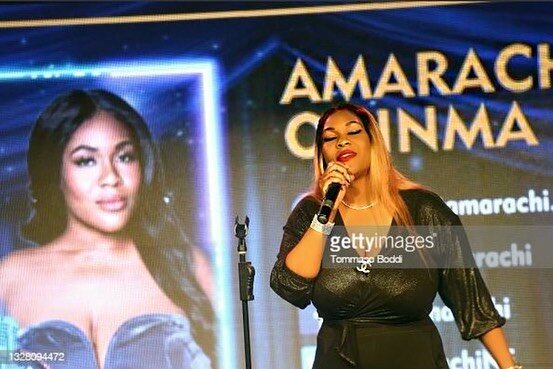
[[380, 320]]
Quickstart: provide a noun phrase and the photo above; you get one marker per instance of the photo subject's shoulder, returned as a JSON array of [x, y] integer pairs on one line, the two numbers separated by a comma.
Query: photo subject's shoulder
[[424, 204], [8, 271], [308, 201], [12, 264]]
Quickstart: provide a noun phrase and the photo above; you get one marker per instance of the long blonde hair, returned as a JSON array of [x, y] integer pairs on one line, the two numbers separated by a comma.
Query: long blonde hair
[[385, 181]]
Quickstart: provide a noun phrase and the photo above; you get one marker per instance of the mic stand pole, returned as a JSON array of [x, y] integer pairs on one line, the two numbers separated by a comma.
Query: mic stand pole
[[246, 273]]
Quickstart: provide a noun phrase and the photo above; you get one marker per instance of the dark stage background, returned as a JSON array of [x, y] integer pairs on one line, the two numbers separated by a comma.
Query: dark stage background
[[230, 95]]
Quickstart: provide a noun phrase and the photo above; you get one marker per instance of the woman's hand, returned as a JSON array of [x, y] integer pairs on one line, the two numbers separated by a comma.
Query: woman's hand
[[336, 173]]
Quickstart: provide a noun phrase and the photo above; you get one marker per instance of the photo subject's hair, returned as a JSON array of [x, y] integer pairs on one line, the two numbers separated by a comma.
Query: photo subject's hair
[[385, 181]]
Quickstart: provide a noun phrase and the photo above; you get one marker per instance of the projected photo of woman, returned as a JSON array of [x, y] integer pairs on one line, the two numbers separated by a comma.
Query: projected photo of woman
[[378, 318], [112, 283]]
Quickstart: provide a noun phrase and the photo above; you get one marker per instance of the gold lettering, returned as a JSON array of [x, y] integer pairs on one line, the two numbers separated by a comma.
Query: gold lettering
[[480, 125], [293, 90], [291, 134], [501, 68], [472, 63], [425, 75], [384, 85], [545, 65], [358, 76], [525, 132], [408, 124]]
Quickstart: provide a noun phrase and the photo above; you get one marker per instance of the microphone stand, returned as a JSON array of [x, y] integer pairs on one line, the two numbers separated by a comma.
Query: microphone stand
[[246, 273]]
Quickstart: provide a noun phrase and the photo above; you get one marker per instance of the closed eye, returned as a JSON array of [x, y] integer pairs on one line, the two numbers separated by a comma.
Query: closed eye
[[327, 139], [356, 132], [85, 161]]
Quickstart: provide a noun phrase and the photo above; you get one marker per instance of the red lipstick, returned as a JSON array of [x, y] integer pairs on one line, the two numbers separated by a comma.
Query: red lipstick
[[345, 155]]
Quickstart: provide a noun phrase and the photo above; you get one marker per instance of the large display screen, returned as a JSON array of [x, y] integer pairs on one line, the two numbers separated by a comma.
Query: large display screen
[[230, 94]]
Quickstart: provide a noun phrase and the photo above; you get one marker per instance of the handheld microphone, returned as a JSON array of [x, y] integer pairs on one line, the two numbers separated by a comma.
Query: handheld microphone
[[328, 202]]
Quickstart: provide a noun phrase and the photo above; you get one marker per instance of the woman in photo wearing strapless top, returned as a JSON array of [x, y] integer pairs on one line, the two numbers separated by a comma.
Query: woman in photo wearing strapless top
[[112, 284], [378, 318]]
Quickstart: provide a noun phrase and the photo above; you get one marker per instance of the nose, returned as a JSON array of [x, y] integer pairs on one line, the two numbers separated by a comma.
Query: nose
[[343, 142], [110, 175]]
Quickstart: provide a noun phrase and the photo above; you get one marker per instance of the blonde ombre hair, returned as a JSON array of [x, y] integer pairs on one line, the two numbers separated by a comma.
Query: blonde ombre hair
[[385, 181]]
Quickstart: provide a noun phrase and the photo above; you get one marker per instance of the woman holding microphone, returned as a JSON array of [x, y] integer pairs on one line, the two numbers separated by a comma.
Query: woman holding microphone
[[379, 318]]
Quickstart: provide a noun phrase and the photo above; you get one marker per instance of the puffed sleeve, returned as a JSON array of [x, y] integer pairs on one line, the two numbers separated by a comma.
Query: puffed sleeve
[[461, 286], [287, 284]]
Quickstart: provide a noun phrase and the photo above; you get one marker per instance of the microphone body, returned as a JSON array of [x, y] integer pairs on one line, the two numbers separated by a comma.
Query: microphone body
[[328, 202]]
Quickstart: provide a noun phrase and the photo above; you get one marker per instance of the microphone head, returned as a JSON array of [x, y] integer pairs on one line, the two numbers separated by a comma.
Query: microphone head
[[322, 218]]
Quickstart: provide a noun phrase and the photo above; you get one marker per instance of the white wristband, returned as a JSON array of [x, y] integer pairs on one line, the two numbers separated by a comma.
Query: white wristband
[[325, 229]]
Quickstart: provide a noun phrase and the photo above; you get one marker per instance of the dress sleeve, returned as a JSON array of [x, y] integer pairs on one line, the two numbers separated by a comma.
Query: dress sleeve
[[287, 284], [461, 286]]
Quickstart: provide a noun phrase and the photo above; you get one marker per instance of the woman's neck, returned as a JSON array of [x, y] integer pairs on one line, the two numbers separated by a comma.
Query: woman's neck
[[80, 237], [358, 192]]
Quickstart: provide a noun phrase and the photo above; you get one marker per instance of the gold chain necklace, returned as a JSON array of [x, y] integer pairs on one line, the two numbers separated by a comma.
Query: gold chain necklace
[[362, 207]]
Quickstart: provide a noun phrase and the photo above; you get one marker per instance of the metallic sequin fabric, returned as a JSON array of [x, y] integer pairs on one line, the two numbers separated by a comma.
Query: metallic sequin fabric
[[389, 305]]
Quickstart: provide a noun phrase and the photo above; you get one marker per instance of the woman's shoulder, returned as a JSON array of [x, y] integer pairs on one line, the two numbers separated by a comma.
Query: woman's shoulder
[[13, 262], [425, 206], [11, 266], [16, 259], [307, 203], [421, 196]]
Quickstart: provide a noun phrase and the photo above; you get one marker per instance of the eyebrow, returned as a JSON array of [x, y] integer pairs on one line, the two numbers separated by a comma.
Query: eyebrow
[[119, 146], [347, 124]]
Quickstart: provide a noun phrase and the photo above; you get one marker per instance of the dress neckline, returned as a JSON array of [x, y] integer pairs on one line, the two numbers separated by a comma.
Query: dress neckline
[[339, 221], [74, 329]]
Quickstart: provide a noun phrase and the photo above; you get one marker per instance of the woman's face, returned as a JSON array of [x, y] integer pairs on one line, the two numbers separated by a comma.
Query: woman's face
[[346, 141], [100, 176]]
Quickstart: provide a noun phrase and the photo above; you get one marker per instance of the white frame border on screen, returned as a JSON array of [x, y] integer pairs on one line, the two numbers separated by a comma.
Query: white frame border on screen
[[213, 153]]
